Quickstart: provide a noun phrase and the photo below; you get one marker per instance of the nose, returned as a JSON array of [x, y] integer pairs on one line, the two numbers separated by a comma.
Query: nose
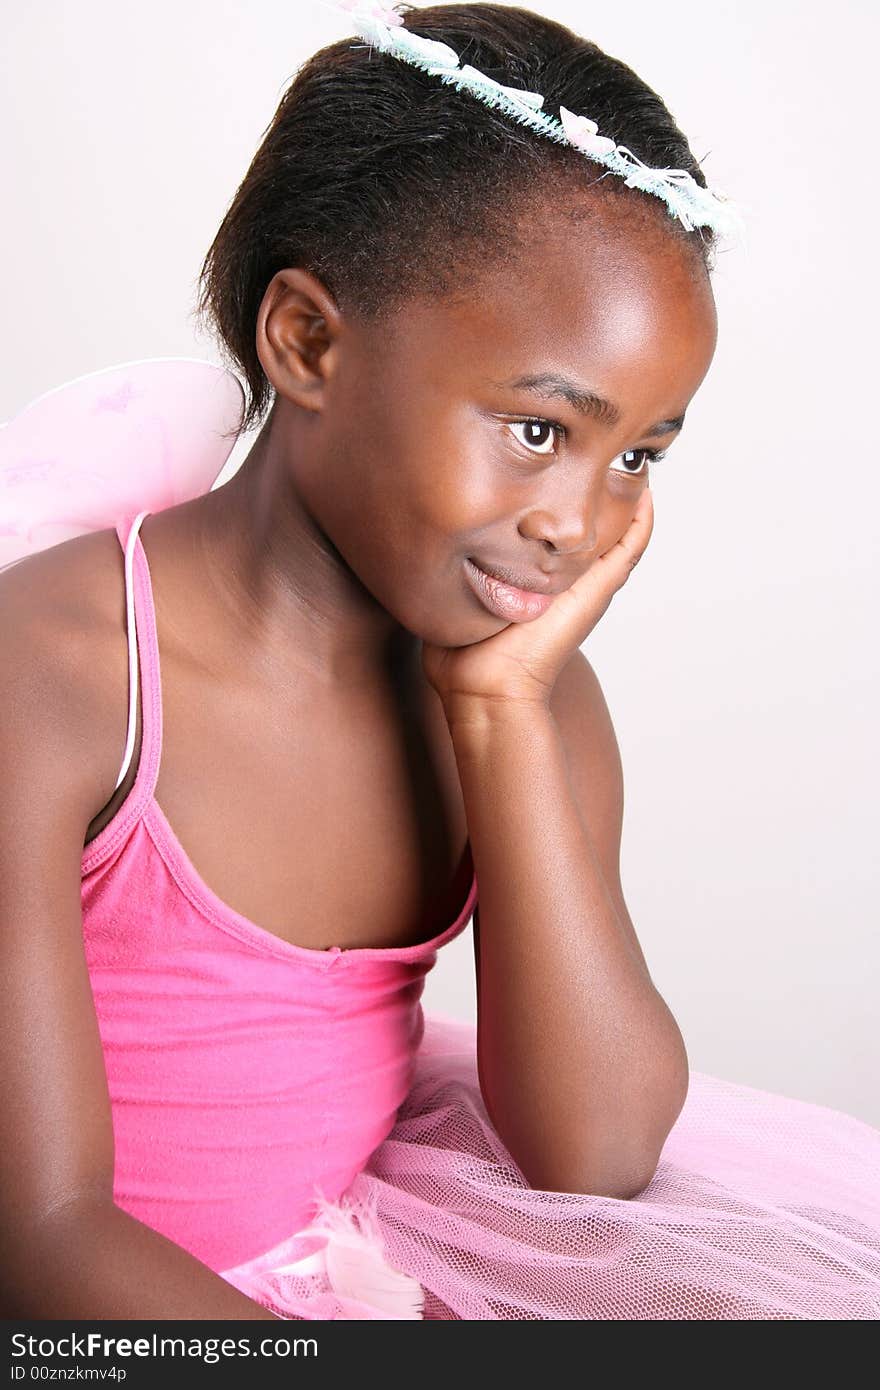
[[568, 531]]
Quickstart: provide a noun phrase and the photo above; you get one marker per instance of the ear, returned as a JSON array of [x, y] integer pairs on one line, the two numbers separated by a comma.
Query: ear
[[297, 333]]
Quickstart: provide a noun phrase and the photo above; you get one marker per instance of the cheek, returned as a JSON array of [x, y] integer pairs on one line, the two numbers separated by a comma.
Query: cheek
[[614, 520], [451, 500]]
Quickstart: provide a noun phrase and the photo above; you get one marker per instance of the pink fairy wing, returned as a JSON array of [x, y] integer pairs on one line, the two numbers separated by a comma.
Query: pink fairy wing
[[139, 436]]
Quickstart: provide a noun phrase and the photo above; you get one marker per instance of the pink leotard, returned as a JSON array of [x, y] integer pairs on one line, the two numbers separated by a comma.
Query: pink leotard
[[245, 1073]]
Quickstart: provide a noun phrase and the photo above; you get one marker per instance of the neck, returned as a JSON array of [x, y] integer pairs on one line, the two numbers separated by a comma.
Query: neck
[[290, 595]]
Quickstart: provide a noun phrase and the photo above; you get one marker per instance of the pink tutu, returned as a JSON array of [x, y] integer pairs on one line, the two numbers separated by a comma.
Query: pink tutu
[[762, 1207]]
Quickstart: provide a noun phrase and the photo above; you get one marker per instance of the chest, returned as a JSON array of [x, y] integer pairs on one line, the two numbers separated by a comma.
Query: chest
[[325, 821]]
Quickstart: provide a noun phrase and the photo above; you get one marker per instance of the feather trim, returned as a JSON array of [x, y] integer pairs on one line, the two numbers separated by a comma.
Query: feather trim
[[353, 1260]]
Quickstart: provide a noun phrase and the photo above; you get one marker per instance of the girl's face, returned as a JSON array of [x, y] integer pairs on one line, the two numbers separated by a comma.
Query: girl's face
[[422, 457]]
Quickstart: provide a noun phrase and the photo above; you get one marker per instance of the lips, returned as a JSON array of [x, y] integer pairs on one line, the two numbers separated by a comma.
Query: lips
[[508, 601], [517, 580], [533, 583]]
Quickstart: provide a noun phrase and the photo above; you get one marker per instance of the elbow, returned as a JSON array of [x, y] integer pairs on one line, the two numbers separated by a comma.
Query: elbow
[[594, 1150], [622, 1182], [600, 1163]]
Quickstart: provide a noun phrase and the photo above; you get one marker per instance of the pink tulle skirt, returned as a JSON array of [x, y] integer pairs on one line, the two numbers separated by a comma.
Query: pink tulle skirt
[[761, 1207]]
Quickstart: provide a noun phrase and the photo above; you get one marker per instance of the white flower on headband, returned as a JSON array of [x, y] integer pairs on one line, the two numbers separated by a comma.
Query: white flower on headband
[[371, 9], [383, 27], [581, 131]]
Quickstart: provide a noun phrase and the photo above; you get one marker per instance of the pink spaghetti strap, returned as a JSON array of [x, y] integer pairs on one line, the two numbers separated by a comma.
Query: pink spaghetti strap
[[143, 661], [143, 683]]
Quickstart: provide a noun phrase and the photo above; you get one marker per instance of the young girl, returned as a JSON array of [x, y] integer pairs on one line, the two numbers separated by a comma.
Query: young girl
[[355, 691]]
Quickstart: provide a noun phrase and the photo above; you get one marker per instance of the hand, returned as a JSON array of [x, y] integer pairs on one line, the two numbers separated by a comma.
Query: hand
[[522, 662]]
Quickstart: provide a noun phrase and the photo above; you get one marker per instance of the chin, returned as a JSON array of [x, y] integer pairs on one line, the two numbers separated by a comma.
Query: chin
[[440, 628], [498, 626]]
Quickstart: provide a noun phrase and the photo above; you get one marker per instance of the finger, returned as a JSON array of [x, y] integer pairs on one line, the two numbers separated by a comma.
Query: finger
[[632, 545], [612, 568], [586, 601]]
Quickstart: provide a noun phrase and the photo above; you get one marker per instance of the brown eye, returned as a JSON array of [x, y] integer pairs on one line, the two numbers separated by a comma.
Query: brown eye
[[534, 429], [641, 457]]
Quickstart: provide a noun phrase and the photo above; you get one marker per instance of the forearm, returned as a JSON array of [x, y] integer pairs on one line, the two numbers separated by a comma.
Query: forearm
[[95, 1261], [582, 1066]]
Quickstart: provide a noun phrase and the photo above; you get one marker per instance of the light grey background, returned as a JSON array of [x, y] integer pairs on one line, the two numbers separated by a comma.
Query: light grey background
[[740, 663]]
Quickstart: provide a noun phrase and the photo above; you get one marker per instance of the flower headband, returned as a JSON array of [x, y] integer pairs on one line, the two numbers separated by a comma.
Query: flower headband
[[694, 206]]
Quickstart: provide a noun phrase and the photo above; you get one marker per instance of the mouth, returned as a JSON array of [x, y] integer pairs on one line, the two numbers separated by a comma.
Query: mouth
[[505, 600]]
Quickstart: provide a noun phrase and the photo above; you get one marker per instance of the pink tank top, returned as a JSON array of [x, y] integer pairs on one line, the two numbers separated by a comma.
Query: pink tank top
[[246, 1074]]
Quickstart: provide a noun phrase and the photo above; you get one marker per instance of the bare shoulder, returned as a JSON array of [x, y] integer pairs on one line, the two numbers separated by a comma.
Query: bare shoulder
[[70, 577], [65, 667]]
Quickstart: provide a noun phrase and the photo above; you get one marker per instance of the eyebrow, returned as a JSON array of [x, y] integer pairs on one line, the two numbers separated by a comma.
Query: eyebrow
[[580, 398]]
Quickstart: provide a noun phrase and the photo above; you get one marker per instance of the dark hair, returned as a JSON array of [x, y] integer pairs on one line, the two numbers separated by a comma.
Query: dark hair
[[388, 184]]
